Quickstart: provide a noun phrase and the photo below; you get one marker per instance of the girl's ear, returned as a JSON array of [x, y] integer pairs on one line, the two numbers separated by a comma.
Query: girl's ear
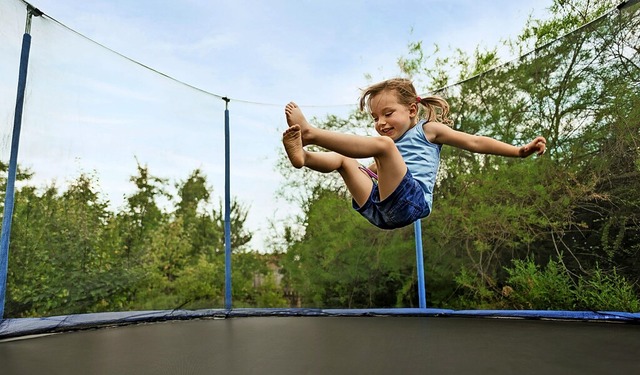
[[413, 109]]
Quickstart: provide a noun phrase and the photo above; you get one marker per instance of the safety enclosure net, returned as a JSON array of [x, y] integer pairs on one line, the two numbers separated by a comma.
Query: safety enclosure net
[[119, 192]]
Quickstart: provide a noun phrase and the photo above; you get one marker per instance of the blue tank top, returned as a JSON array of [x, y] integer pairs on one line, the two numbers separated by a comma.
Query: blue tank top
[[422, 158]]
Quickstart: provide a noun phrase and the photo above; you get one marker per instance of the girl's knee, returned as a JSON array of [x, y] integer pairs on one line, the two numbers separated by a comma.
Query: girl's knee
[[348, 163], [386, 142], [386, 145]]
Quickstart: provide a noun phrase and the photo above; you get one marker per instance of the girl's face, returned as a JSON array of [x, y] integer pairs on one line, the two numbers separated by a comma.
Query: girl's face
[[392, 119]]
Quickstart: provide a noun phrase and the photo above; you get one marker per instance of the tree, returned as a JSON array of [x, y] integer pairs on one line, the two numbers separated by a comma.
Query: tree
[[70, 253], [578, 204], [184, 257], [63, 257], [142, 214], [343, 261]]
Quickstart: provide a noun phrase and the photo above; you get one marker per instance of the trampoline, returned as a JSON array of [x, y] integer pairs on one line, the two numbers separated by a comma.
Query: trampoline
[[394, 341]]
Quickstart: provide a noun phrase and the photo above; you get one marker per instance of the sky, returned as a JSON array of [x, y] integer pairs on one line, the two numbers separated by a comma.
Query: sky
[[106, 105], [272, 51]]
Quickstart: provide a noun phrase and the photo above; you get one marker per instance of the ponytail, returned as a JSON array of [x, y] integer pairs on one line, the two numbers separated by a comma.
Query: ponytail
[[435, 109]]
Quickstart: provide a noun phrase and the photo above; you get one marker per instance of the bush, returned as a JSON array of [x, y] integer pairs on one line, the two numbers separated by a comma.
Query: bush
[[606, 292], [551, 288], [531, 287]]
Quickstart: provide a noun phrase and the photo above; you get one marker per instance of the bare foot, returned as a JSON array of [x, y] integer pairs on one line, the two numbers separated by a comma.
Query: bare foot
[[296, 117], [292, 140]]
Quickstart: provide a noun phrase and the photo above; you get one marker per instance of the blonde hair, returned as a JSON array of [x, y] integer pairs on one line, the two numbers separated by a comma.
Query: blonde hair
[[434, 108]]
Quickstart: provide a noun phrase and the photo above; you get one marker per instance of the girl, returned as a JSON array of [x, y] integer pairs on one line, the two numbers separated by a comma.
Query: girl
[[406, 156]]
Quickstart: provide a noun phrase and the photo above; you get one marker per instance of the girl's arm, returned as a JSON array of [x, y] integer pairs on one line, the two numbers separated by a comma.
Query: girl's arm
[[442, 134]]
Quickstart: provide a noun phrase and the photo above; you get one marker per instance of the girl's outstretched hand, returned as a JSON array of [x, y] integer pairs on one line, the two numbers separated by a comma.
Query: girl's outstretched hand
[[537, 146]]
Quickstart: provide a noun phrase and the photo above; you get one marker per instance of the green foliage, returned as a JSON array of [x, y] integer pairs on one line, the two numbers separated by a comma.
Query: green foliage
[[578, 204], [553, 288], [473, 288], [70, 253], [60, 254], [607, 291], [568, 16], [530, 286], [342, 261], [141, 216], [254, 281]]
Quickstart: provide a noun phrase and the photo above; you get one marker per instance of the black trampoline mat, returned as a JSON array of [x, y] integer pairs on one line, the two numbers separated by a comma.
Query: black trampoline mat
[[333, 345]]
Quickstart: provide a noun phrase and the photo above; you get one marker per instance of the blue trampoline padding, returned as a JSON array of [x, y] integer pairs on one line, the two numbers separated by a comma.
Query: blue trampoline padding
[[30, 326]]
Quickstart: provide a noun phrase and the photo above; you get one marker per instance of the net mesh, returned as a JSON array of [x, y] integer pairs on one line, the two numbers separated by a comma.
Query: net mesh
[[118, 202]]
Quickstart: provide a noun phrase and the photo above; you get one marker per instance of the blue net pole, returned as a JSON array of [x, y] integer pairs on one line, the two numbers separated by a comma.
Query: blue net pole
[[227, 210], [422, 293], [13, 158]]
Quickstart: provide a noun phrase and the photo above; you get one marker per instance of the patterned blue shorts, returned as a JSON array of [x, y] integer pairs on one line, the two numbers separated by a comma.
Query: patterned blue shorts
[[404, 206]]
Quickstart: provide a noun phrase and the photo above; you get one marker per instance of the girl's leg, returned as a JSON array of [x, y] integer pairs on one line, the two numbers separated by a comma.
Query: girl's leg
[[390, 165], [358, 184]]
